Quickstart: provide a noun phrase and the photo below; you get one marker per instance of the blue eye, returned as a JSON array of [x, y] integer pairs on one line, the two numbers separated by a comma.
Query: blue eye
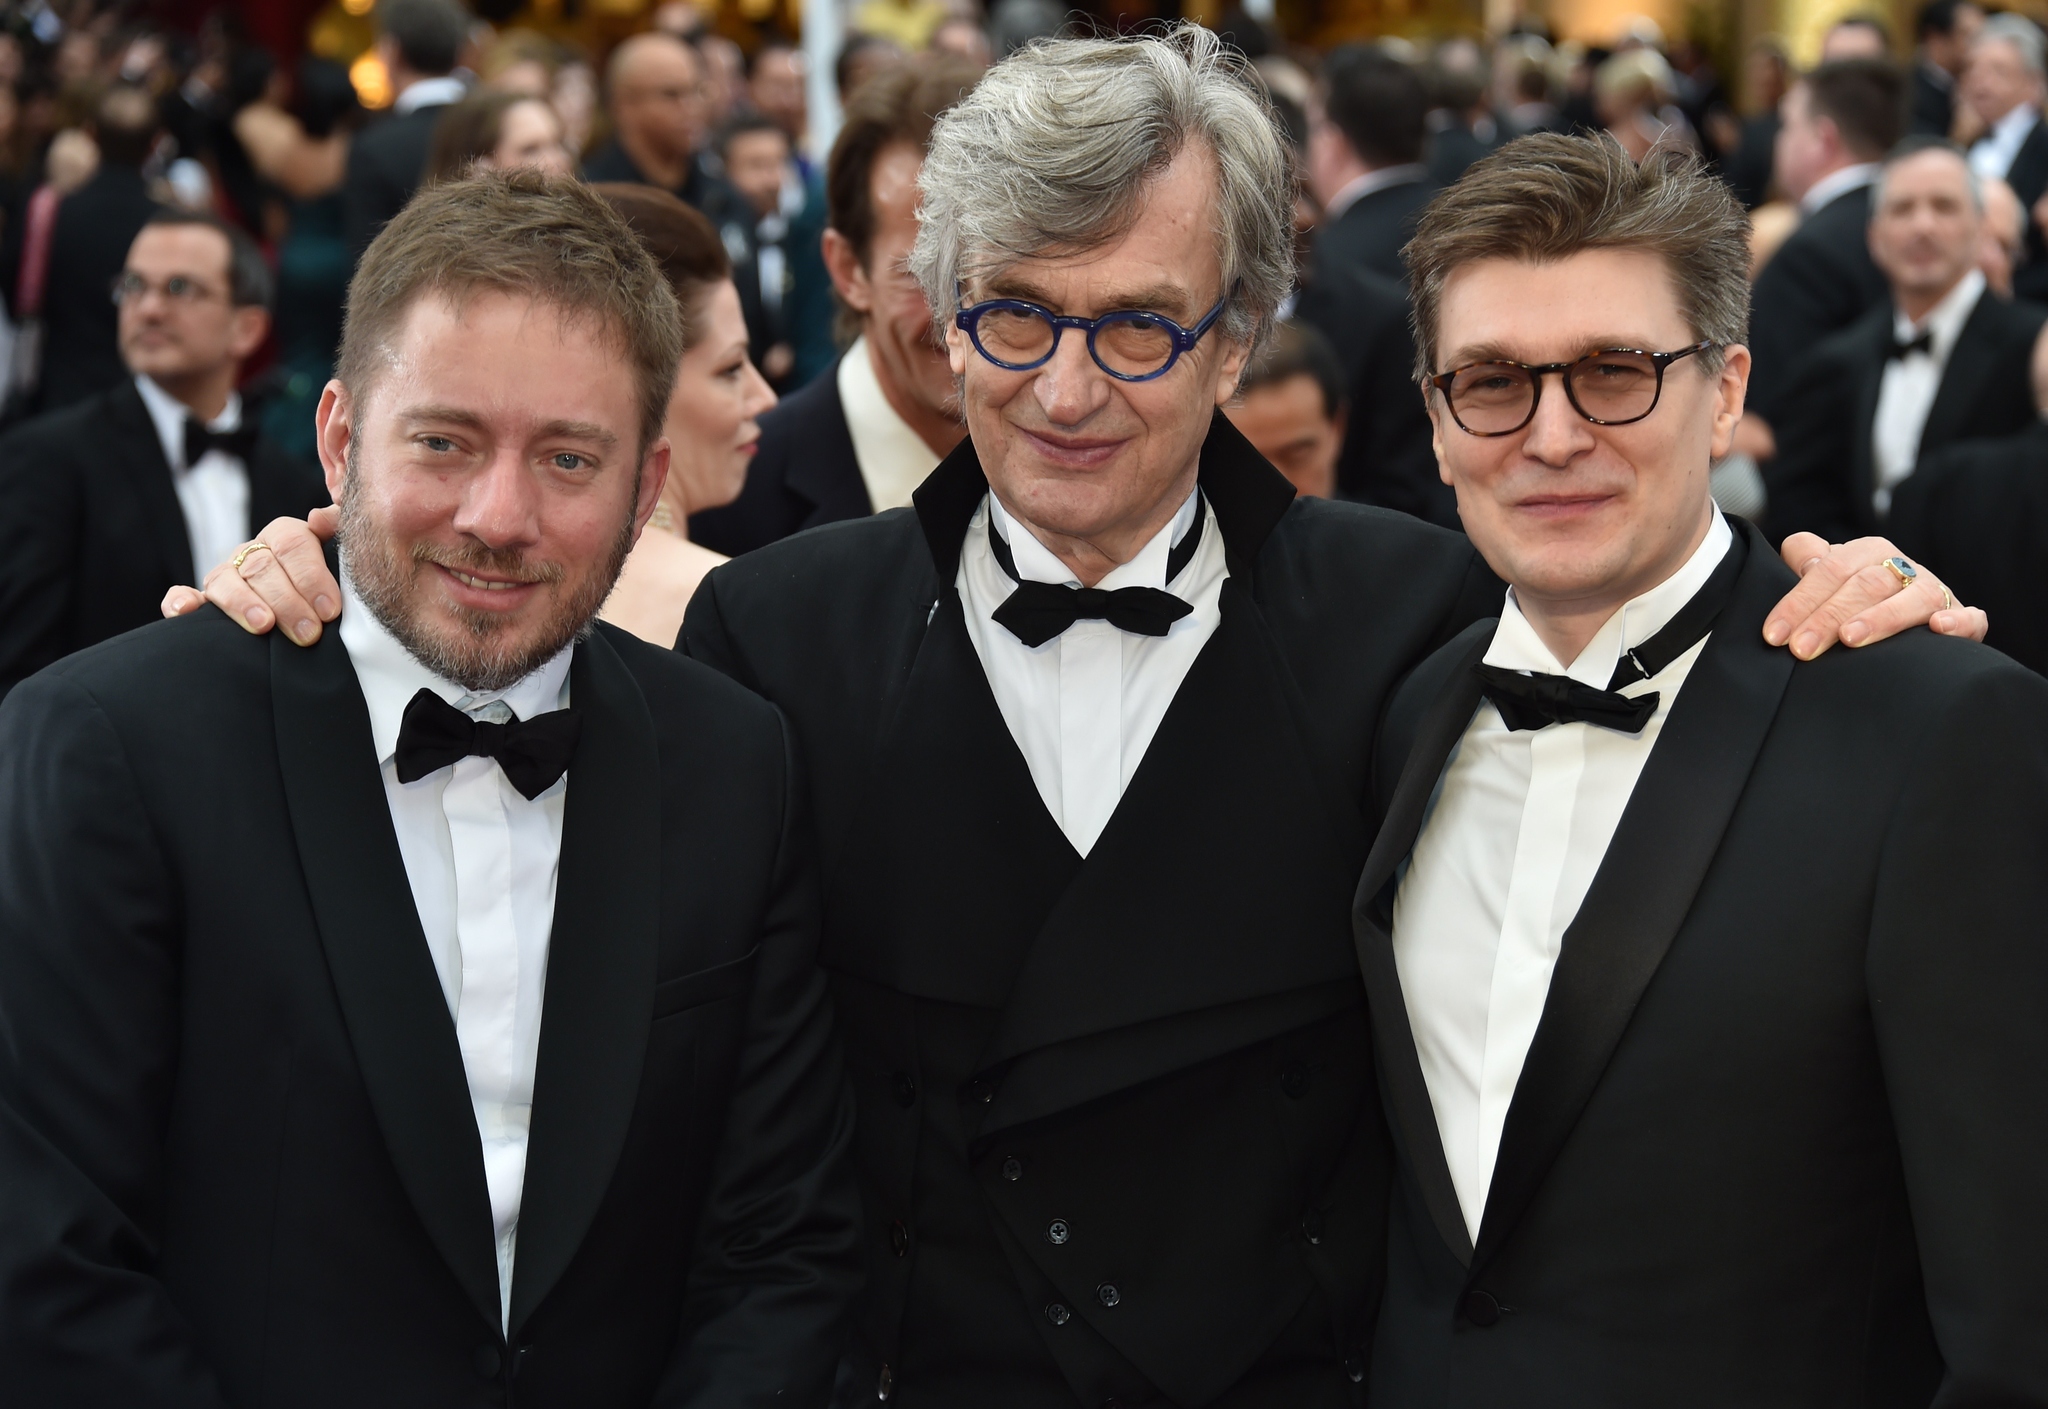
[[439, 444], [568, 460]]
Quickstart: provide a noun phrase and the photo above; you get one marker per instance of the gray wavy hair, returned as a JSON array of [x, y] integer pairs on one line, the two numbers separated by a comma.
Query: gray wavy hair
[[1053, 150]]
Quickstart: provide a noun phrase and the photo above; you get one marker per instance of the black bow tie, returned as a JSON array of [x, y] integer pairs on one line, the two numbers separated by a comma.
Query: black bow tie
[[1533, 701], [1038, 611], [198, 440], [1923, 343], [533, 752]]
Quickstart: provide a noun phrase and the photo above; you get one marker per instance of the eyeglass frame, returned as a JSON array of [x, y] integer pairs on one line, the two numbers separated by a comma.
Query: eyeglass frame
[[1184, 339], [1538, 371], [200, 292]]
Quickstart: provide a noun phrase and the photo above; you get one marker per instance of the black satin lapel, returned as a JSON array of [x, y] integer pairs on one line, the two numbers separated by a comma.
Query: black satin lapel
[[141, 458], [1972, 364], [601, 964], [952, 861], [384, 978], [945, 504], [1247, 493], [1454, 695], [1223, 876], [1644, 888]]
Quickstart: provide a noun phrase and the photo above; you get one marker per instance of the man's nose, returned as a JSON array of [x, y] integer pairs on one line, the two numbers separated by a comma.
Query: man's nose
[[1070, 388], [501, 503], [1557, 431]]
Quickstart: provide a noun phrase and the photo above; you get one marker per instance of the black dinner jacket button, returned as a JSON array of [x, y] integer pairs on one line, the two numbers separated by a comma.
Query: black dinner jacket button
[[1481, 1309], [487, 1361]]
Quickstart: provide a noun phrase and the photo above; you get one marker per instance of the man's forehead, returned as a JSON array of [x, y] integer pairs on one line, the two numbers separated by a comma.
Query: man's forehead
[[1525, 309], [190, 245]]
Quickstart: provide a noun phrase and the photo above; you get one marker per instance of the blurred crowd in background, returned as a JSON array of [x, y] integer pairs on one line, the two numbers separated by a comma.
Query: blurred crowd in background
[[108, 114]]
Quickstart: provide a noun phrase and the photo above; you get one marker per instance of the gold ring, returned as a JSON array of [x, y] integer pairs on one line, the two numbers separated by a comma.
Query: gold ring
[[1948, 601], [252, 546], [1904, 571]]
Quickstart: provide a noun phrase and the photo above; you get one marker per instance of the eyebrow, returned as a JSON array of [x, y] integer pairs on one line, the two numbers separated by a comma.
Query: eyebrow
[[1499, 352], [1152, 298]]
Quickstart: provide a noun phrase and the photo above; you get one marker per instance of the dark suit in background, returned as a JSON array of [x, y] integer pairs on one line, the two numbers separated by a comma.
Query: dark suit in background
[[710, 196], [2028, 177], [95, 226], [1820, 280], [91, 532], [1977, 513], [238, 1158], [803, 475], [1370, 232], [1779, 1136], [1749, 167], [1825, 473], [385, 163], [1387, 458], [1932, 111], [1117, 1130]]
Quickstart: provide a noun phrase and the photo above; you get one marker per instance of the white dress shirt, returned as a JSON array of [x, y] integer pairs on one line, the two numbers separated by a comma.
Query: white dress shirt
[[1992, 155], [1084, 706], [1837, 183], [430, 92], [482, 861], [1906, 391], [214, 494], [1359, 187], [1519, 825], [893, 458]]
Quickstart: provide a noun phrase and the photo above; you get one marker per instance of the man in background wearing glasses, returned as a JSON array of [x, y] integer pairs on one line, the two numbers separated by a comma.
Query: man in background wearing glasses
[[1088, 730], [1708, 989], [108, 502]]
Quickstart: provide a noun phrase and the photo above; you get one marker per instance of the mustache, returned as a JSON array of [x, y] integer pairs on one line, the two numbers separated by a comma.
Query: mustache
[[478, 558]]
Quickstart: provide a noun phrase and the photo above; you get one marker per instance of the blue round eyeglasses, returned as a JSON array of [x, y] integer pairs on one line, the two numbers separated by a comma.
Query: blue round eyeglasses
[[1130, 344]]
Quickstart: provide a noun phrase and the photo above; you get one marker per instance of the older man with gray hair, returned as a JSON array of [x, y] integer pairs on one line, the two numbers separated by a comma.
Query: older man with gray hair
[[1088, 731]]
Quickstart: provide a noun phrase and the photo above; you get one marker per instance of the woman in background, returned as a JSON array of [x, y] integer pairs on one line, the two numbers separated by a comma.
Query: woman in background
[[491, 128], [711, 426]]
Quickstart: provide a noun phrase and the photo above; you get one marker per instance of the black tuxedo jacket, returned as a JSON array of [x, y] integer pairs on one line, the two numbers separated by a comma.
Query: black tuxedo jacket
[[238, 1160], [1387, 458], [1931, 111], [1371, 232], [88, 247], [1820, 281], [1778, 1139], [1978, 514], [2028, 177], [1825, 471], [804, 474], [1117, 1132], [91, 532], [385, 163]]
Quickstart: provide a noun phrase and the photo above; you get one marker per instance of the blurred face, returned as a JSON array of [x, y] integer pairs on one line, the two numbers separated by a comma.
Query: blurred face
[[1075, 453], [711, 427], [1852, 41], [1950, 50], [178, 322], [1808, 146], [1286, 422], [2005, 227], [531, 135], [491, 482], [755, 163], [660, 98], [1996, 80], [1925, 230], [778, 88], [1582, 517], [899, 321]]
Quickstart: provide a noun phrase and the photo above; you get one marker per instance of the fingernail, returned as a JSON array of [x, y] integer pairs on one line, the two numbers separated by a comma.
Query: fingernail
[[303, 632], [256, 617], [1804, 645], [1775, 632], [1855, 633], [324, 605]]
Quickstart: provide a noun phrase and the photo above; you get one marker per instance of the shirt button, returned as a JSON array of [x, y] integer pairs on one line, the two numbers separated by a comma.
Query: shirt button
[[1108, 1295], [899, 1237], [906, 1090], [1056, 1232], [1013, 1169], [1058, 1314]]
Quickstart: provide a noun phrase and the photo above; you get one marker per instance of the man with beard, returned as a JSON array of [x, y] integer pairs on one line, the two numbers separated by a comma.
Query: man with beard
[[432, 1014], [1088, 729]]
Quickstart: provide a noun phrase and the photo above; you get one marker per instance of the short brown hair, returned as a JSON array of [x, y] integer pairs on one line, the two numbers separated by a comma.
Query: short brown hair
[[471, 129], [685, 247], [1548, 196], [550, 238], [1866, 101], [898, 105]]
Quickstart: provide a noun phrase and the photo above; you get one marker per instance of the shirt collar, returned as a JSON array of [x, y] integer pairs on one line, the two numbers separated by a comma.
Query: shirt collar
[[429, 93], [2012, 129], [1944, 322], [390, 676], [1036, 563], [169, 415], [1516, 646], [1837, 183], [1359, 187]]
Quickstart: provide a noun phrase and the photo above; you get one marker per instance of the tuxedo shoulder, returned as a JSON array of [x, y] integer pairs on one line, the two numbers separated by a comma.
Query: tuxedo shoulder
[[1917, 678], [824, 562], [675, 685], [193, 668], [68, 432], [1337, 535]]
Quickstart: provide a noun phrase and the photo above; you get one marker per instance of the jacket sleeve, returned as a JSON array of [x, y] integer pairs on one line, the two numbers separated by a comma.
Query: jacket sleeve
[[89, 1019], [1800, 299], [765, 1317], [1958, 990]]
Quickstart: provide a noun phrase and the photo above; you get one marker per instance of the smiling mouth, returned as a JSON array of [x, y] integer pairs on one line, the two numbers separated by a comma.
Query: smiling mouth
[[482, 584]]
